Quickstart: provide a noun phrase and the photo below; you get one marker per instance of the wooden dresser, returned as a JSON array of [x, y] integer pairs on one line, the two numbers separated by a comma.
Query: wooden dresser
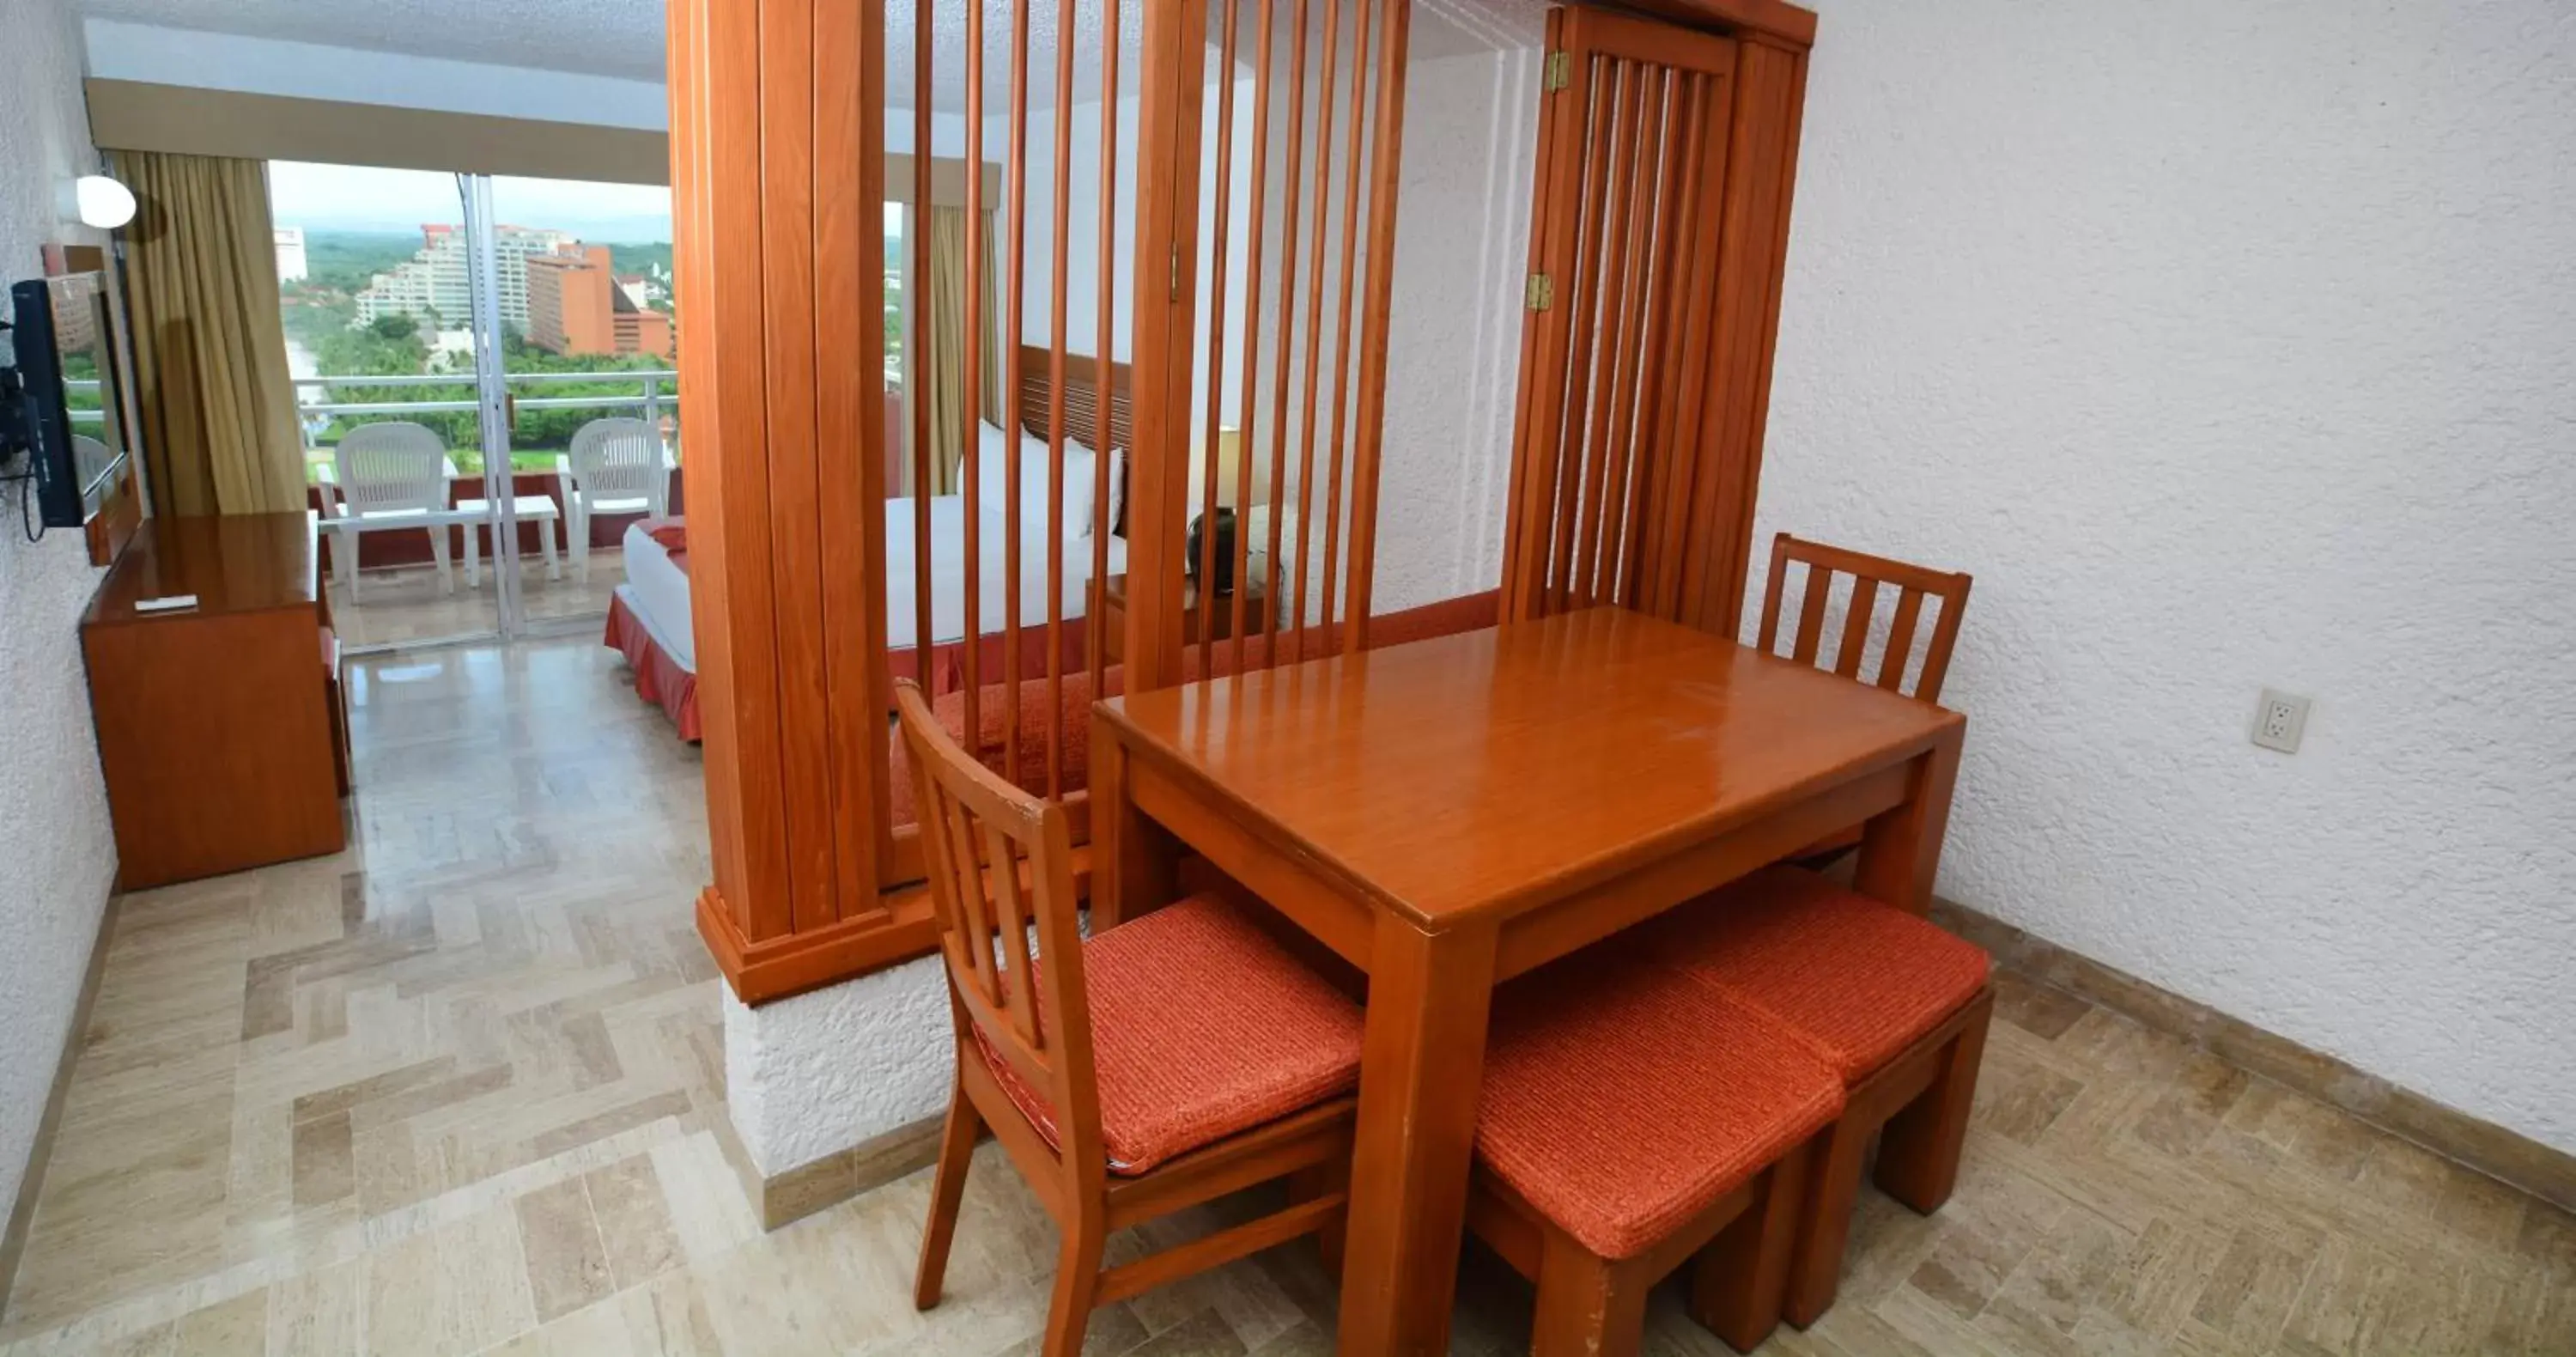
[[217, 723]]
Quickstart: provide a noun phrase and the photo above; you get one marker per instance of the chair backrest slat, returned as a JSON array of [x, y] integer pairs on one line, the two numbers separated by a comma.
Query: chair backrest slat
[[1001, 883], [615, 459], [1900, 640], [1914, 584], [389, 467]]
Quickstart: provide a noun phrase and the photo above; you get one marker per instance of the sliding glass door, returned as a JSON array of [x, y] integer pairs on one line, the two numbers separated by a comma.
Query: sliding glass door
[[526, 326]]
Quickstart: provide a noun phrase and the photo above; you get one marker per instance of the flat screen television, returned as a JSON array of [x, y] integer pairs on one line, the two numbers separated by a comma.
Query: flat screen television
[[62, 407]]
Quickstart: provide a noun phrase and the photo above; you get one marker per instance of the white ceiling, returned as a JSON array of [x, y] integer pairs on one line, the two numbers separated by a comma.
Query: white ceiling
[[624, 38]]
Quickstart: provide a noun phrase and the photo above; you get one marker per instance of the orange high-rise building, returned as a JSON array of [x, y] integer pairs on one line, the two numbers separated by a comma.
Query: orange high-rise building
[[575, 305]]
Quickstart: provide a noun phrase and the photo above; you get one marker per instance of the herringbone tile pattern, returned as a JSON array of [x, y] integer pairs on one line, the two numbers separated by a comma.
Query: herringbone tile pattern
[[454, 1092]]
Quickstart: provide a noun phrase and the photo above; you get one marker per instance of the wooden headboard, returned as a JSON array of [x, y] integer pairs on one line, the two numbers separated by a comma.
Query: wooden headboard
[[1081, 398]]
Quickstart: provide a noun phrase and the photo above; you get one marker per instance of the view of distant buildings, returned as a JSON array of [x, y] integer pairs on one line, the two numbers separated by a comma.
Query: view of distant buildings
[[562, 294], [291, 266]]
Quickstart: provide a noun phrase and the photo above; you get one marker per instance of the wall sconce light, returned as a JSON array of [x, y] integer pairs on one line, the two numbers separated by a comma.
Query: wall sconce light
[[103, 202]]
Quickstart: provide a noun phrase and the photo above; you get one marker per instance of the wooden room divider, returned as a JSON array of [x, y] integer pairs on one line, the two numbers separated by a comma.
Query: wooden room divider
[[812, 589], [1667, 152]]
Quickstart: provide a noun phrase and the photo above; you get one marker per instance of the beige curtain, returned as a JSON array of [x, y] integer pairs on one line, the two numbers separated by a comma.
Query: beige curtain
[[940, 369], [218, 411]]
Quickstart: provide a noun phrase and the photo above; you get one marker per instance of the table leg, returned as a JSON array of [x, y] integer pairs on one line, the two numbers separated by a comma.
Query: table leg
[[1135, 862], [1900, 849], [1420, 1068]]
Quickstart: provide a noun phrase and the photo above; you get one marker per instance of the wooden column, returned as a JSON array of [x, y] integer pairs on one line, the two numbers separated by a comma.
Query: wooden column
[[777, 176], [1167, 228]]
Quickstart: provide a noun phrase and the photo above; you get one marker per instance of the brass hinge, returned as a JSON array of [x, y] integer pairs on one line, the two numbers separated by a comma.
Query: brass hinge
[[1175, 293], [1560, 72], [1541, 293]]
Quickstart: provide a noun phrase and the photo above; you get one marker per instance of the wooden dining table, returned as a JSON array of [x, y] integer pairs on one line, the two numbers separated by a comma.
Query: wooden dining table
[[1451, 813]]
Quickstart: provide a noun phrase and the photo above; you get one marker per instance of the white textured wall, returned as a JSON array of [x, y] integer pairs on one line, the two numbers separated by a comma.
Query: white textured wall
[[824, 1071], [2227, 345], [60, 857]]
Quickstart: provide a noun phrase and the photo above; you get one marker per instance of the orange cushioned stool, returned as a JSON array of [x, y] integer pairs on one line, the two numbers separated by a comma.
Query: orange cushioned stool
[[1897, 1006], [1632, 1118]]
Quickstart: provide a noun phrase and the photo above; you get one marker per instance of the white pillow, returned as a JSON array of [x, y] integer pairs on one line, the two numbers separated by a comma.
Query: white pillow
[[992, 481]]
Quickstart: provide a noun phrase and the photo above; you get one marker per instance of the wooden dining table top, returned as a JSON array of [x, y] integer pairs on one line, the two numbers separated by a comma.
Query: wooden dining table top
[[1481, 773]]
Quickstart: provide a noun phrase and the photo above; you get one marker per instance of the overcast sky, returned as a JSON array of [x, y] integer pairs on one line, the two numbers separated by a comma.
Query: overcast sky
[[356, 198]]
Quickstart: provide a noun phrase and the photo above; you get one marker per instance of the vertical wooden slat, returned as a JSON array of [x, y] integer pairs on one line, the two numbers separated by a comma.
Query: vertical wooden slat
[[1105, 302], [915, 388], [1688, 440], [1619, 302], [1587, 292], [1251, 343], [1298, 42], [1555, 225], [1772, 590], [1011, 915], [973, 905], [1624, 502], [1900, 640], [1864, 601], [1224, 144], [787, 177], [1166, 237], [970, 582], [1656, 453], [1324, 114], [1936, 657], [1811, 614], [1342, 306], [849, 444], [1057, 301], [1773, 262], [1387, 151], [1012, 348]]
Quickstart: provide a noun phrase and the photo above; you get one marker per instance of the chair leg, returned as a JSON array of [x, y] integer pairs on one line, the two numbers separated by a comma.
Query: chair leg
[[1306, 1184], [580, 535], [948, 1191], [1738, 1280], [1918, 1154], [1833, 1185], [1077, 1287], [474, 554], [1586, 1304], [546, 534], [438, 551]]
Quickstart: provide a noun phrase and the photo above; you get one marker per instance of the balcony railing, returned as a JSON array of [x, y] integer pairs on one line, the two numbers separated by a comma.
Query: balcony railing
[[659, 394]]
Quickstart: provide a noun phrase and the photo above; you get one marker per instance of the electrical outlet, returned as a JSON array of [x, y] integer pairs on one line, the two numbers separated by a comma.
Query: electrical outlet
[[2279, 720]]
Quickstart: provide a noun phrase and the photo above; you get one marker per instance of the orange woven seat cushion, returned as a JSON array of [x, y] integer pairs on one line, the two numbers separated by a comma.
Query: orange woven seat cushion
[[1201, 1026], [1622, 1100], [1861, 980]]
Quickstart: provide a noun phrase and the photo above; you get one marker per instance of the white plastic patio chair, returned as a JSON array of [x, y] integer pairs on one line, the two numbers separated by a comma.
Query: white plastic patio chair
[[616, 466], [391, 476]]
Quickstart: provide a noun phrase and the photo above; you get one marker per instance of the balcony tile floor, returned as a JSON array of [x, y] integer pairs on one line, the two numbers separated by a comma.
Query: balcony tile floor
[[404, 605], [456, 1090]]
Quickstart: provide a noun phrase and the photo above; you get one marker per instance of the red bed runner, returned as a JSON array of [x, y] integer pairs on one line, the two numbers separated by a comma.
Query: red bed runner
[[659, 678]]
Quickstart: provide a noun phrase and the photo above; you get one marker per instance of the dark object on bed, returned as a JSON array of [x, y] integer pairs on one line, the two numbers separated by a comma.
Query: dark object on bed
[[1224, 550]]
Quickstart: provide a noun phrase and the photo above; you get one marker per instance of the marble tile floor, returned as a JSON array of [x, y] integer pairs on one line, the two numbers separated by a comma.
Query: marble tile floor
[[454, 1091]]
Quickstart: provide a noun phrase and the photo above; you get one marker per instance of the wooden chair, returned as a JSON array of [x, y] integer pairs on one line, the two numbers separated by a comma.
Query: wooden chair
[[1897, 1006], [1914, 584], [1174, 1059], [1631, 1120]]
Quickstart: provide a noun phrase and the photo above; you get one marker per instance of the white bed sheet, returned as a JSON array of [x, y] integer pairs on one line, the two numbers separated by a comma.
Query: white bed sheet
[[660, 590]]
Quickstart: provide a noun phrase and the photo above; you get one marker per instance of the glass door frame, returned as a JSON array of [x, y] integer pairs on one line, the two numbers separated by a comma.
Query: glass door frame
[[492, 388]]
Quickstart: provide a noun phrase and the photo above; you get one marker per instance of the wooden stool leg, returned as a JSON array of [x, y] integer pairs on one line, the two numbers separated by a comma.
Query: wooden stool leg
[[1918, 1155], [1738, 1280], [1077, 1287], [947, 1193], [1586, 1306], [1816, 1265]]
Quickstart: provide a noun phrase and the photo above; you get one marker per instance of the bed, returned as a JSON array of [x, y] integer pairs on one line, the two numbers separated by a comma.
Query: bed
[[649, 619]]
